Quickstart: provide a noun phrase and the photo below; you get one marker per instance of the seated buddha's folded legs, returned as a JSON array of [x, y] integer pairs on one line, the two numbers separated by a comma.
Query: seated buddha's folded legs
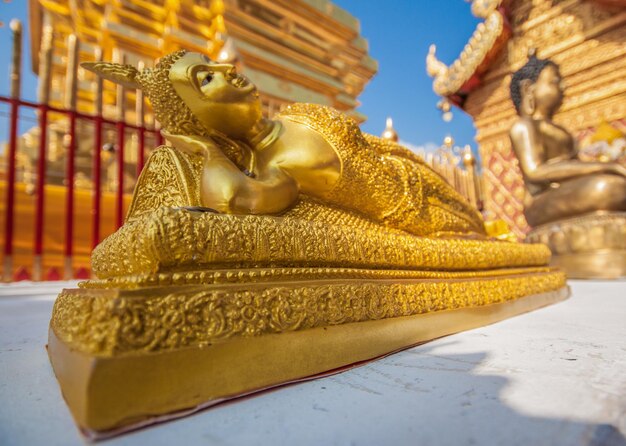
[[576, 197]]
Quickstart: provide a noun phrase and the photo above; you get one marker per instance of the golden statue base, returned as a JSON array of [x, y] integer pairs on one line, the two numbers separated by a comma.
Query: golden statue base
[[329, 247], [592, 246], [194, 307], [126, 358]]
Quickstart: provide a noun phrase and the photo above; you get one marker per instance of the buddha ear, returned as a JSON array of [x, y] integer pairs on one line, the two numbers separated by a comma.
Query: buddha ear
[[125, 75], [528, 98], [525, 85]]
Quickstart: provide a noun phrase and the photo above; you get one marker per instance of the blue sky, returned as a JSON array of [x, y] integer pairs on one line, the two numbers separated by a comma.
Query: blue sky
[[399, 33]]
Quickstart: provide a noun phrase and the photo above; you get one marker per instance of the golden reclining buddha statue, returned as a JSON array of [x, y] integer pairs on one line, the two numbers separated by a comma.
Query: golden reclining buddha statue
[[576, 207], [258, 252], [253, 165]]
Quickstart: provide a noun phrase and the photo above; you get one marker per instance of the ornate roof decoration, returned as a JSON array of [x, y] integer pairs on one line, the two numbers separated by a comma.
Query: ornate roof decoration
[[462, 76], [484, 8]]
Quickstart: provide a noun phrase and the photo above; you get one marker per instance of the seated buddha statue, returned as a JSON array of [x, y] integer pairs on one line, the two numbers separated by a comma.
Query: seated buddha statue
[[254, 165], [560, 185]]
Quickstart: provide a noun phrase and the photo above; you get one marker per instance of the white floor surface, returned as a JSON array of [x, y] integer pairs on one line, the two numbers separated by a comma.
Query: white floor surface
[[556, 376]]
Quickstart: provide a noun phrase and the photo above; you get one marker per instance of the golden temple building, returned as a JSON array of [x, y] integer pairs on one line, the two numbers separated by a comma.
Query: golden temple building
[[587, 39], [296, 51]]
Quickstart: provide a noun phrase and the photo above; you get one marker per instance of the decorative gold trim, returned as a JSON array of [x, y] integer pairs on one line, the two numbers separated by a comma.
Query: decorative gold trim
[[110, 395], [112, 322], [225, 276], [180, 239]]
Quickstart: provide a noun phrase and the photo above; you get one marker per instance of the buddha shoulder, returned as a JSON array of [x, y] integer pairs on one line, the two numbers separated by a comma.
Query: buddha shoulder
[[522, 127], [316, 135]]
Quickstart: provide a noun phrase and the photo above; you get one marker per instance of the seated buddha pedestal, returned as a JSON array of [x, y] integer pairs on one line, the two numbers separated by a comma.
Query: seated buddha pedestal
[[591, 246]]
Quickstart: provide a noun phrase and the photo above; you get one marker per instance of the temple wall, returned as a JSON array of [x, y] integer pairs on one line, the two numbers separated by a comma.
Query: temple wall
[[588, 41]]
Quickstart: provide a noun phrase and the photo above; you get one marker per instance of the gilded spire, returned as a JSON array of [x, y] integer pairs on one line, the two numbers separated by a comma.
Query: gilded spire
[[389, 132]]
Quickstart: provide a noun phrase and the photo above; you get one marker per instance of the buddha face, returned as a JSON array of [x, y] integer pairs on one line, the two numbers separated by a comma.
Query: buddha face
[[221, 99], [547, 92]]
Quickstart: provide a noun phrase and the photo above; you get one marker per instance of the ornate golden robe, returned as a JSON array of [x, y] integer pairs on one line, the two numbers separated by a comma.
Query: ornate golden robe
[[384, 181]]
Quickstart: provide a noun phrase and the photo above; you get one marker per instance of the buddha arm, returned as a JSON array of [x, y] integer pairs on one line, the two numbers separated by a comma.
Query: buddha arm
[[225, 188], [529, 153], [563, 170]]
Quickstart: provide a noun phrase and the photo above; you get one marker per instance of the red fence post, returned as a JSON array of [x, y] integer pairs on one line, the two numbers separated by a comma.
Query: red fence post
[[10, 209], [69, 202], [97, 162], [119, 193], [16, 65], [139, 121], [43, 94], [97, 186], [159, 137], [120, 128], [40, 192], [141, 150], [70, 102]]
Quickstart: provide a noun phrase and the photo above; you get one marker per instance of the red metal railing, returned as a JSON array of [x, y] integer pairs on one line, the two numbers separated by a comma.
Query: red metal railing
[[10, 175], [119, 197], [97, 184], [41, 181], [73, 118]]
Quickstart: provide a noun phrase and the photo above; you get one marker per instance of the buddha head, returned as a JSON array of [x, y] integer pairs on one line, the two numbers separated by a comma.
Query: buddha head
[[192, 95], [537, 87]]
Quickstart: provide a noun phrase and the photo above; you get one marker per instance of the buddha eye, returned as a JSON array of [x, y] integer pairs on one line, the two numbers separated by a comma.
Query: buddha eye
[[204, 77], [205, 81]]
